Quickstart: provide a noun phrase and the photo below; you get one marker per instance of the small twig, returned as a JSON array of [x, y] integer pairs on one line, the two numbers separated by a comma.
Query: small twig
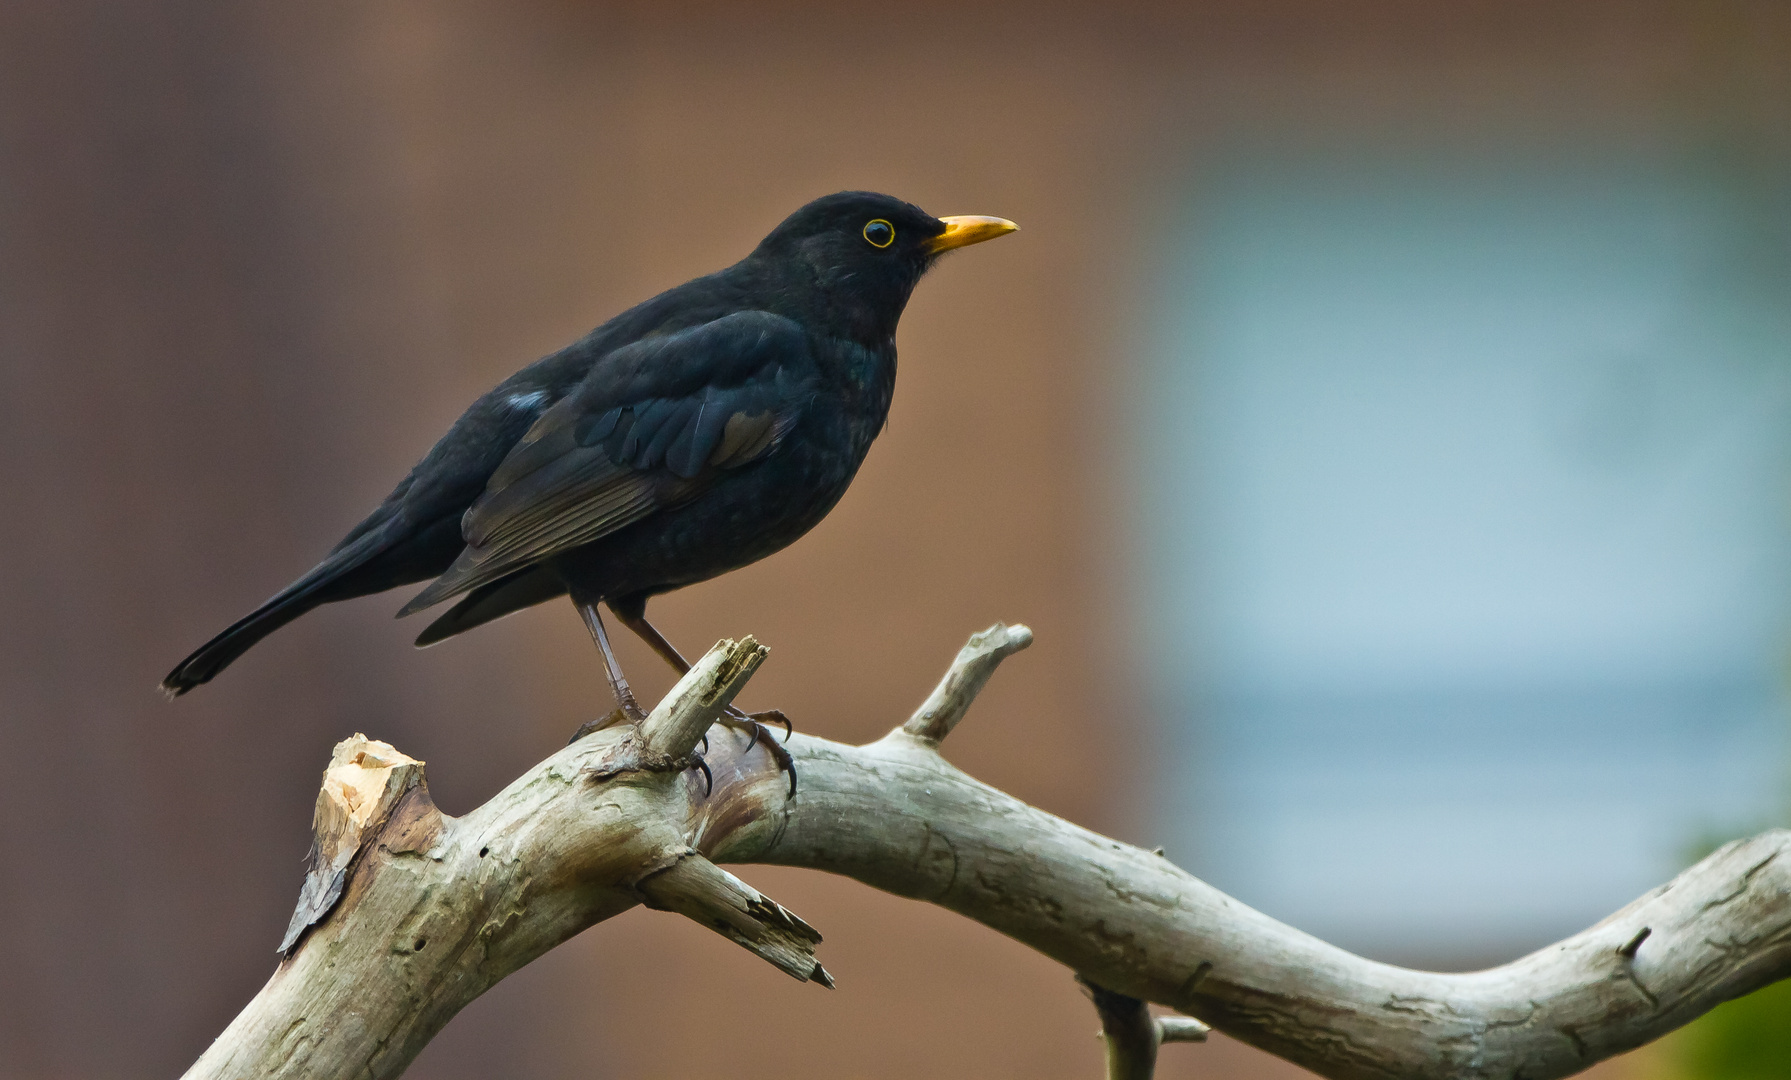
[[975, 662], [1628, 951]]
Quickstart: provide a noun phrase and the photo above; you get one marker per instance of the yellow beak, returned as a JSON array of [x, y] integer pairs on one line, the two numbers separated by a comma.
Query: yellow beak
[[968, 229]]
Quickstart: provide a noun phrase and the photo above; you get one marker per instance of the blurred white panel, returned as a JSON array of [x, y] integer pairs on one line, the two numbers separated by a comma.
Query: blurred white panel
[[1472, 484]]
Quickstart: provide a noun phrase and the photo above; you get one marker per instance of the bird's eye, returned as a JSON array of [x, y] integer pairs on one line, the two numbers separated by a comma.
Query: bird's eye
[[879, 233]]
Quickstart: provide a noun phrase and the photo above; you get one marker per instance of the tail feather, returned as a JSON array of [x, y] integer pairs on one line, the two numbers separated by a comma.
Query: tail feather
[[321, 585], [218, 653]]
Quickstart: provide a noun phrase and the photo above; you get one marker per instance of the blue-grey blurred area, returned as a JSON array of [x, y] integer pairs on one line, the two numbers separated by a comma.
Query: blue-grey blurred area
[[1470, 533]]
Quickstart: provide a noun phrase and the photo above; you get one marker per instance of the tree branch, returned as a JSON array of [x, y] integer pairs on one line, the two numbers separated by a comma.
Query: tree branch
[[431, 911], [1132, 1034]]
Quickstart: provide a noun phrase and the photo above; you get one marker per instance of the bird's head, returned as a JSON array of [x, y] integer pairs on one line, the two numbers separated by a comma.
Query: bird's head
[[851, 260]]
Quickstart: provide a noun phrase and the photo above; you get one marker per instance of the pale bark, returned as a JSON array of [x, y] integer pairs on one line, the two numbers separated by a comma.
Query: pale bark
[[433, 910]]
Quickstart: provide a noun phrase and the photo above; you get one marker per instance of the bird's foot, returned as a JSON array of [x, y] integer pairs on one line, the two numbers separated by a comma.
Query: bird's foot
[[773, 716], [754, 725], [627, 711], [620, 716], [614, 717]]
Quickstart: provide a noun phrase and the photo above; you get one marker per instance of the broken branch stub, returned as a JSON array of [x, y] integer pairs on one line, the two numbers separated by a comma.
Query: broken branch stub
[[678, 723], [975, 662], [1181, 1029], [364, 781], [700, 891]]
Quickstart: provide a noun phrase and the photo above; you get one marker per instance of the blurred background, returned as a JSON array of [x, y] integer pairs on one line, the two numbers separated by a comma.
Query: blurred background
[[1383, 420]]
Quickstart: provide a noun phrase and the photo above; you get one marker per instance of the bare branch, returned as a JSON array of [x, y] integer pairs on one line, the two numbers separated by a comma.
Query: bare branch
[[1135, 923], [434, 910], [975, 662]]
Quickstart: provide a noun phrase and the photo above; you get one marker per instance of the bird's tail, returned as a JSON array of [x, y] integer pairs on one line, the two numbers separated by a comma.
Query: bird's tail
[[218, 653], [324, 583]]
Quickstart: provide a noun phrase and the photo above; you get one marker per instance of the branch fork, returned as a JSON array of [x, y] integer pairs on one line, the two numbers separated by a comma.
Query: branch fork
[[1132, 1035]]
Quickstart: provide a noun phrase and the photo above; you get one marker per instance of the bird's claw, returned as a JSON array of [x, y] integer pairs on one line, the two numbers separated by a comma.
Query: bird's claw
[[751, 723], [774, 716], [708, 777], [784, 762]]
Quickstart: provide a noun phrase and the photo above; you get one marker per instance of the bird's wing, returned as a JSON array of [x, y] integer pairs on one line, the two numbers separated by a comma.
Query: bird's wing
[[654, 424]]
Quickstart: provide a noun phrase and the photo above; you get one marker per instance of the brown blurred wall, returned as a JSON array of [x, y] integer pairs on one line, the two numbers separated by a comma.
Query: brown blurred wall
[[254, 257]]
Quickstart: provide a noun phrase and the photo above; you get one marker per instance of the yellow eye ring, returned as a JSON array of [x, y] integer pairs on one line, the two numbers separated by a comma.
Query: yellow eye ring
[[879, 233]]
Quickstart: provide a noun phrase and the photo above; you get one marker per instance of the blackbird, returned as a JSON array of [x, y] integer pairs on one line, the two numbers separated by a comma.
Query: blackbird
[[688, 436]]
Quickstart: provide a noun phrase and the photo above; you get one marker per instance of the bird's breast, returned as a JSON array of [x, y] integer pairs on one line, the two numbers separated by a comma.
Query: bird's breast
[[857, 390]]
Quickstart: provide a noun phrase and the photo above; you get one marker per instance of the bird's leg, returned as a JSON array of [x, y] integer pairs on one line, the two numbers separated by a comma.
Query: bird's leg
[[629, 708], [633, 616], [647, 632], [632, 613]]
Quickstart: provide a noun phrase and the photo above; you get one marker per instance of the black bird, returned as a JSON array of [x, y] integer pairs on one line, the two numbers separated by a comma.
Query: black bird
[[688, 436]]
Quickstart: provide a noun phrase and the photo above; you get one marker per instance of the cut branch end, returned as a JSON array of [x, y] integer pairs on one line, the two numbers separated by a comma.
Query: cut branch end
[[363, 783]]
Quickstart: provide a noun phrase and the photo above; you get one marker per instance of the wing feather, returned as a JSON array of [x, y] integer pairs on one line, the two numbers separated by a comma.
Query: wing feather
[[594, 463]]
